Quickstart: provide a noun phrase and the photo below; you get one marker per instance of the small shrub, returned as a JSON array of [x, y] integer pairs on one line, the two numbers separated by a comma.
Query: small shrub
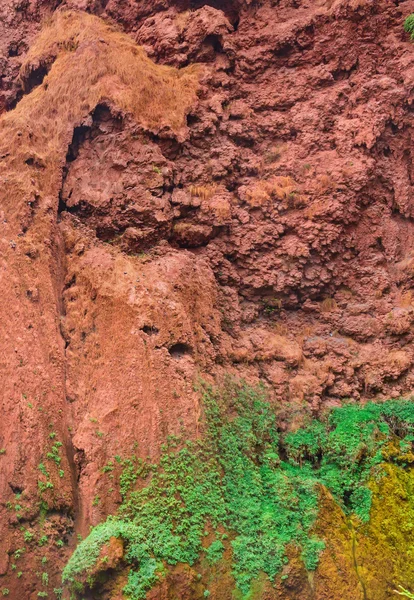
[[19, 552], [202, 191], [283, 189], [28, 536], [325, 183], [409, 25]]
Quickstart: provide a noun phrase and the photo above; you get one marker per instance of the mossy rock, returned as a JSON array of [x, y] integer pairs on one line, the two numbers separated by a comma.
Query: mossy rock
[[246, 512]]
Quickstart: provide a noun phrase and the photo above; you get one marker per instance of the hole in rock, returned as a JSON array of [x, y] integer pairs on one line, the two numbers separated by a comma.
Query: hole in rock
[[16, 489], [150, 329], [35, 78], [214, 41], [284, 51], [394, 128], [179, 350], [16, 49]]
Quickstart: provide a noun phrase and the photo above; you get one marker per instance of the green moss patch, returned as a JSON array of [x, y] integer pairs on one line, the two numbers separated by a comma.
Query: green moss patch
[[245, 478]]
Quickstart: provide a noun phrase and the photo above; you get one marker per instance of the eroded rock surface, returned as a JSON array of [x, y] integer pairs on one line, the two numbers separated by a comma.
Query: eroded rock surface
[[263, 227]]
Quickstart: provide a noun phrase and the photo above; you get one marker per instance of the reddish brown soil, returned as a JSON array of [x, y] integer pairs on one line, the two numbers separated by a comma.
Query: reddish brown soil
[[272, 239]]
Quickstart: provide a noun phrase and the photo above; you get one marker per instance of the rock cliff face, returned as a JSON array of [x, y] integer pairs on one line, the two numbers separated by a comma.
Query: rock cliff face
[[194, 189]]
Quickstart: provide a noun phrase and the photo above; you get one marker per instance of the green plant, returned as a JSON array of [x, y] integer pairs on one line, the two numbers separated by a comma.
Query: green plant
[[96, 501], [108, 468], [28, 536], [5, 591], [409, 25], [42, 540], [42, 594], [18, 553], [402, 591], [45, 579], [2, 451], [58, 592], [54, 453], [43, 470], [19, 574], [234, 478], [215, 551]]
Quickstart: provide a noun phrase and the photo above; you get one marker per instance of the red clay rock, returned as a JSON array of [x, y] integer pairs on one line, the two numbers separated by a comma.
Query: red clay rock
[[272, 238]]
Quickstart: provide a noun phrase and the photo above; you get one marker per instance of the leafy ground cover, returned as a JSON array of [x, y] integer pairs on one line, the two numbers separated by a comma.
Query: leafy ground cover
[[245, 478]]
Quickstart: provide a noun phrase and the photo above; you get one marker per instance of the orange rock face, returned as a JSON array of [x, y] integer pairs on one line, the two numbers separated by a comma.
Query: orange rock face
[[163, 222]]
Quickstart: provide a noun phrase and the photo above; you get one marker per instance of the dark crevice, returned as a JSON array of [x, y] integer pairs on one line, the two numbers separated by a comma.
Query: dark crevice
[[78, 138], [150, 329], [170, 148], [105, 234], [35, 78], [192, 120], [179, 350], [284, 51], [16, 489], [215, 42], [17, 49], [11, 105]]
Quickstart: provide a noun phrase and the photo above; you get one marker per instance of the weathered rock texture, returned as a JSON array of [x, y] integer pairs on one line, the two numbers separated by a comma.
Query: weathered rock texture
[[150, 236]]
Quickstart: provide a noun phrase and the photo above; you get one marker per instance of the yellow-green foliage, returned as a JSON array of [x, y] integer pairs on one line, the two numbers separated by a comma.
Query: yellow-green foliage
[[385, 550]]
